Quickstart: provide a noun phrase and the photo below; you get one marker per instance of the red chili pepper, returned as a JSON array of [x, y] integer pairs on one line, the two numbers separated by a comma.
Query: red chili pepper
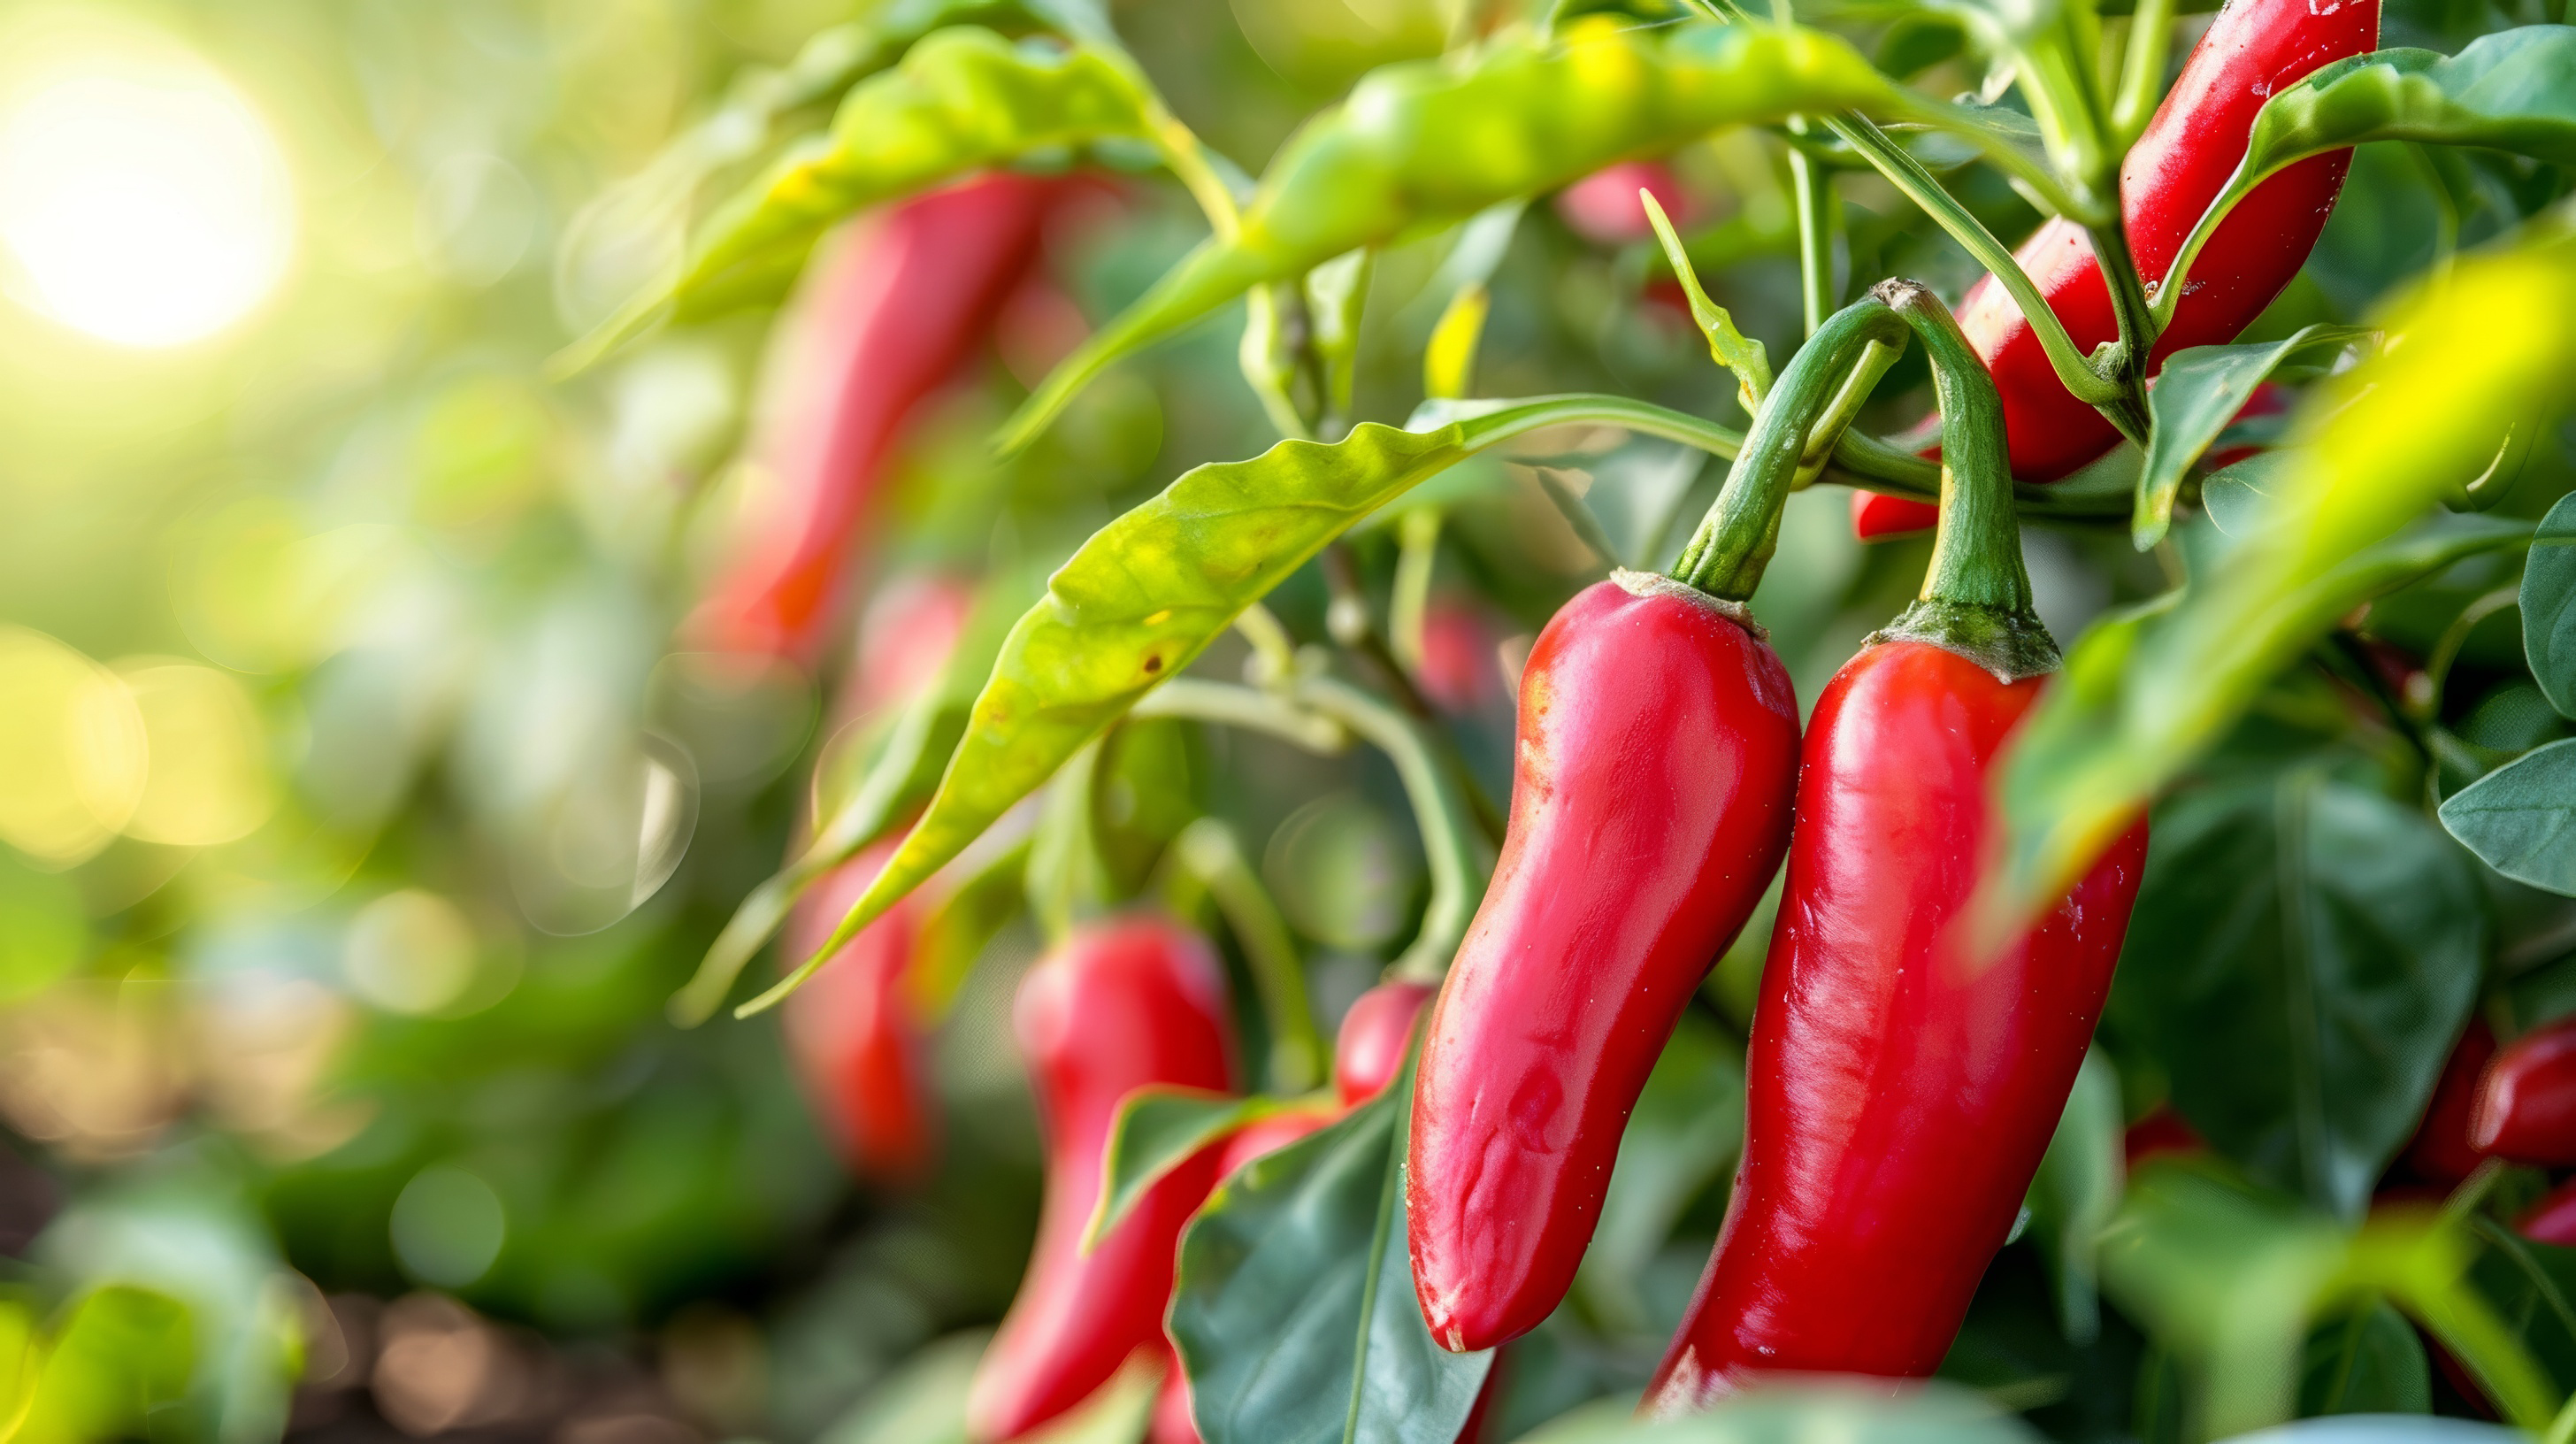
[[890, 313], [2526, 1101], [2441, 1151], [1376, 1033], [1654, 766], [1657, 745], [1900, 1089], [2553, 1219], [851, 1033], [2179, 165], [1118, 1005], [1877, 517]]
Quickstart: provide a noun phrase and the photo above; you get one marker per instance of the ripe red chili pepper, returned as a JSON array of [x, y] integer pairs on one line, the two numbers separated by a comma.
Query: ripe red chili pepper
[[2179, 165], [1650, 801], [1118, 1005], [2159, 1133], [1375, 1035], [851, 1032], [1900, 1091], [2441, 1151], [889, 314], [2526, 1102]]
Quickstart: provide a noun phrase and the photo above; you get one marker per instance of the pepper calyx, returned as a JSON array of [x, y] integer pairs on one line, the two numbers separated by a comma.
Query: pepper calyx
[[1655, 584], [2011, 646]]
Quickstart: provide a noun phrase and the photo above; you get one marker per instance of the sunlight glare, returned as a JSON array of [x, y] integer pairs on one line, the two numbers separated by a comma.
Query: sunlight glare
[[142, 201]]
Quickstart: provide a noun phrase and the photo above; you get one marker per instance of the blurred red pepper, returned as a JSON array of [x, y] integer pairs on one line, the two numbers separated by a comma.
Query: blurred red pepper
[[1375, 1035], [2186, 156], [2553, 1219], [1657, 750], [889, 312], [1116, 1006], [2526, 1100], [1900, 1089], [2441, 1152], [851, 1033], [1603, 207]]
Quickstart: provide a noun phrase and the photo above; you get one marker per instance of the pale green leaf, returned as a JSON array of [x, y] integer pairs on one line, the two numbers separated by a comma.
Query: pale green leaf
[[2197, 393]]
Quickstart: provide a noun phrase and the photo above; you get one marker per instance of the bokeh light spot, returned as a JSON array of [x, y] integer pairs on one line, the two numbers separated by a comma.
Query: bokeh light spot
[[410, 952], [142, 200], [73, 753], [448, 1226]]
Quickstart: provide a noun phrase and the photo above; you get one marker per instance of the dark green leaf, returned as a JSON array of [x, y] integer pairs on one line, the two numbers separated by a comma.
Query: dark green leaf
[[1297, 1271], [2368, 1363], [1417, 146], [2532, 1286], [2197, 393], [2302, 955], [2521, 818], [2512, 91], [2549, 606], [1158, 1129]]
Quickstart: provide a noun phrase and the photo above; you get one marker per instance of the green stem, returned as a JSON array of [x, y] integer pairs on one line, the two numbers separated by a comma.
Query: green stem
[[1726, 555], [1976, 598], [2142, 73], [1347, 618], [1814, 192], [2137, 323], [1831, 427], [1207, 848], [1439, 814], [1417, 555], [2074, 371]]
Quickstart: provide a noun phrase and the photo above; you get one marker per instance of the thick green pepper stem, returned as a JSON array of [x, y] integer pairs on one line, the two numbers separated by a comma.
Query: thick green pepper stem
[[1976, 597], [1734, 542]]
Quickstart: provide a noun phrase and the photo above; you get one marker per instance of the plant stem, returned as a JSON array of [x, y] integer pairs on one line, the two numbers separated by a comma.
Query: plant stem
[[1208, 849], [1727, 554], [2074, 371], [2137, 323], [1439, 814], [2142, 74], [1814, 192]]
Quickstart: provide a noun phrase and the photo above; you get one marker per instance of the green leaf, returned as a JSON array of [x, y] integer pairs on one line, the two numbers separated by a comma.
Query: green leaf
[[1687, 1127], [1294, 1310], [965, 922], [2512, 91], [2302, 955], [964, 99], [2549, 606], [920, 1401], [2521, 818], [1148, 592], [904, 773], [2197, 393], [2142, 695], [2369, 1363], [1157, 1129], [1728, 347], [2077, 1191], [1422, 145]]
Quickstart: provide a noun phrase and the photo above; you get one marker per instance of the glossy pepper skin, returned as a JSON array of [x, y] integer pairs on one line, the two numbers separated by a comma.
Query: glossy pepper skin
[[1901, 1082], [2526, 1103], [1898, 1101], [1118, 1005], [2553, 1219], [891, 311], [1655, 760], [851, 1033], [2181, 162]]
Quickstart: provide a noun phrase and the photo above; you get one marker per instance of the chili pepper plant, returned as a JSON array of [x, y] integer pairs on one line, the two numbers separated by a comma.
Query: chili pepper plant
[[1413, 720], [2081, 485]]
